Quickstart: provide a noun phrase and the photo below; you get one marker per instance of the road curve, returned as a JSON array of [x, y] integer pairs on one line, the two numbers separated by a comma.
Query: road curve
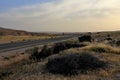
[[20, 45]]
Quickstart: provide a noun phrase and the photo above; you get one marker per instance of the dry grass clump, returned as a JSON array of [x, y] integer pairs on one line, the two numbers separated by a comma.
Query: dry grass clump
[[102, 48], [12, 59], [72, 64]]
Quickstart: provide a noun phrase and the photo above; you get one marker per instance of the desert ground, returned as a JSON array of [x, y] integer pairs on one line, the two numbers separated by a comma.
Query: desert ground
[[11, 39], [91, 56], [11, 35]]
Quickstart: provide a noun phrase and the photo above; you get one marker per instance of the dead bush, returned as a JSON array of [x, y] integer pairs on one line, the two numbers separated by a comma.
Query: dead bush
[[34, 54], [65, 45], [55, 49], [72, 64], [118, 43], [85, 38]]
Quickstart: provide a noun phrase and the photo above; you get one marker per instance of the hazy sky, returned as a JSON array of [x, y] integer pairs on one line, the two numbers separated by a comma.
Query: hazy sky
[[60, 15]]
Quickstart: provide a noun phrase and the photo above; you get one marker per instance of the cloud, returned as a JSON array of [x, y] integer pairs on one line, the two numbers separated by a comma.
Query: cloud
[[57, 13]]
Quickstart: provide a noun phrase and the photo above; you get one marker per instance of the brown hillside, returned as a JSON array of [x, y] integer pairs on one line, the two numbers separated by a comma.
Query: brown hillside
[[5, 32], [13, 32]]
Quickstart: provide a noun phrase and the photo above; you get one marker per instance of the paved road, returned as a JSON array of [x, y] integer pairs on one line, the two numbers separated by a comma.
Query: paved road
[[20, 45]]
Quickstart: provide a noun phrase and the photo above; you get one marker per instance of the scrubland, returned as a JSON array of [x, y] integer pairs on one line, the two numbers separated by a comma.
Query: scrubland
[[68, 60]]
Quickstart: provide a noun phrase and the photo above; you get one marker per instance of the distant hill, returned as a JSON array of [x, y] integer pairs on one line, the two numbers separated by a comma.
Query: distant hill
[[13, 32], [5, 31]]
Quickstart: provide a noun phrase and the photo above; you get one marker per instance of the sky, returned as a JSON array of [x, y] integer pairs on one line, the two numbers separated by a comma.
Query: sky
[[60, 15]]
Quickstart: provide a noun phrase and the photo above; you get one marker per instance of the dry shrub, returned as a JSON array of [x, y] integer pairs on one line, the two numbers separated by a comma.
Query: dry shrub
[[55, 49], [102, 48], [4, 74], [85, 38], [34, 53], [118, 43], [72, 64]]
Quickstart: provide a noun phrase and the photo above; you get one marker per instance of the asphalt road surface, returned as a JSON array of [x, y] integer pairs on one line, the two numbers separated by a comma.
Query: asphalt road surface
[[22, 45]]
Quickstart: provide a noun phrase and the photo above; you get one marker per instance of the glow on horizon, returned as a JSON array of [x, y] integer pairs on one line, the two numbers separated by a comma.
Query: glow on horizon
[[64, 16]]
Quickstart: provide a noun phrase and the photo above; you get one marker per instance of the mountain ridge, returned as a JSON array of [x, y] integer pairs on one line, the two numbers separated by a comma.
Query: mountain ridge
[[14, 32]]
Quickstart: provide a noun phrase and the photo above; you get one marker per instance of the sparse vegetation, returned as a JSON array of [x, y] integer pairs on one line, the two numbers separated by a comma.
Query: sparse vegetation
[[70, 60], [102, 48], [9, 39]]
